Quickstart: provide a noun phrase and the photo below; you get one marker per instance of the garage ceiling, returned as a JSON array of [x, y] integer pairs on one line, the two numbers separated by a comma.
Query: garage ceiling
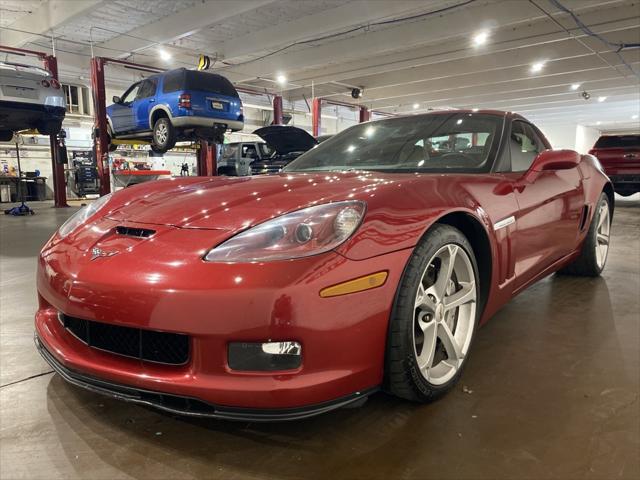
[[408, 56]]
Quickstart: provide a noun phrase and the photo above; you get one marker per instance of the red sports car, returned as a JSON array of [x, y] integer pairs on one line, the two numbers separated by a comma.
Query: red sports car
[[367, 264]]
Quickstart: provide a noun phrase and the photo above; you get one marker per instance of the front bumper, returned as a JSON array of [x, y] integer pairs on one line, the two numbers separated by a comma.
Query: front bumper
[[191, 406], [149, 286]]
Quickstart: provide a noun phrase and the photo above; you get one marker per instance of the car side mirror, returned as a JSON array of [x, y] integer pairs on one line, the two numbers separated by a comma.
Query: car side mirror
[[553, 160], [116, 99]]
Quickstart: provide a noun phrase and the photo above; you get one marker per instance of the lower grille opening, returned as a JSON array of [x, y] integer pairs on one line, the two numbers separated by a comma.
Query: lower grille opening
[[146, 345]]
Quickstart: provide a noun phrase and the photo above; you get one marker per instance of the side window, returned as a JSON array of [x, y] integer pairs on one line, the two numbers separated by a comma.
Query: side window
[[130, 94], [148, 89], [524, 145], [173, 81], [249, 151]]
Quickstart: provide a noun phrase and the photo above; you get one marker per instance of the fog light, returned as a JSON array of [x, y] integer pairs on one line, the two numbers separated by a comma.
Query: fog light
[[268, 356]]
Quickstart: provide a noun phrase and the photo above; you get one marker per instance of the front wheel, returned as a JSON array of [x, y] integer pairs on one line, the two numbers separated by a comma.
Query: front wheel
[[164, 135], [595, 248], [434, 317]]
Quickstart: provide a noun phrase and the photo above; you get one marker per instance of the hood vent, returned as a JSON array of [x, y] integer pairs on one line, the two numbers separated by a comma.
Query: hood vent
[[134, 232]]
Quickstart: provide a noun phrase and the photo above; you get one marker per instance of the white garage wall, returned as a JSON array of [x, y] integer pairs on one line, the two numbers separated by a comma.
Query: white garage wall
[[573, 137]]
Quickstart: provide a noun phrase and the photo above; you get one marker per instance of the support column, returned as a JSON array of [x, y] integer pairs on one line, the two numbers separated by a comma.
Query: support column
[[316, 113], [277, 110], [365, 115], [207, 164], [57, 167], [100, 137]]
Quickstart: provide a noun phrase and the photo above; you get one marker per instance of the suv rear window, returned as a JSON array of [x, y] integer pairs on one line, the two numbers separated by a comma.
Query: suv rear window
[[200, 81], [618, 141]]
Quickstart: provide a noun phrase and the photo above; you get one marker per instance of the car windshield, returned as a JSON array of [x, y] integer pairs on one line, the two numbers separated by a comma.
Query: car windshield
[[618, 141], [443, 142]]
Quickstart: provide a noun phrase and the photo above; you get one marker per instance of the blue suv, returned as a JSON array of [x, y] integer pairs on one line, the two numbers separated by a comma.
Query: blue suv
[[176, 105]]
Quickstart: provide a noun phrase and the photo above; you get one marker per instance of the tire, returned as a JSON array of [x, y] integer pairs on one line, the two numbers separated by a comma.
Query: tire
[[593, 256], [228, 171], [416, 332], [112, 147], [49, 127], [164, 135], [6, 135]]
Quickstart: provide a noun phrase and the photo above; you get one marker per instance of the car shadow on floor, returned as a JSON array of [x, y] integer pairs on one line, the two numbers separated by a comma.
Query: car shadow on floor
[[387, 437]]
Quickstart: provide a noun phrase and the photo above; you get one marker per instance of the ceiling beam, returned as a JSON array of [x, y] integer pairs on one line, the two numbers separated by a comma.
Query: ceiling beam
[[44, 20]]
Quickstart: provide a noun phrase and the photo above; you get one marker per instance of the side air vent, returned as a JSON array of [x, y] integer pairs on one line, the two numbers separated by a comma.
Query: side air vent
[[583, 218], [134, 232]]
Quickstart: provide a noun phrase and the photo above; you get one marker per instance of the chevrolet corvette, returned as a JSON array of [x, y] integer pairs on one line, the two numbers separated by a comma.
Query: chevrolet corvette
[[368, 263]]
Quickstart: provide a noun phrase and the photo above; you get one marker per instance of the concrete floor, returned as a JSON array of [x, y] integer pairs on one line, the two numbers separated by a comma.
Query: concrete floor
[[551, 392]]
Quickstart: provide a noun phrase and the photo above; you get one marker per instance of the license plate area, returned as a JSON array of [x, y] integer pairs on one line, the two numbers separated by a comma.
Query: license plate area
[[219, 105]]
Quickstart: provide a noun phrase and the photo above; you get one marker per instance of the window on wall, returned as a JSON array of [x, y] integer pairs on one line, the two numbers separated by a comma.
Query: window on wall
[[77, 99]]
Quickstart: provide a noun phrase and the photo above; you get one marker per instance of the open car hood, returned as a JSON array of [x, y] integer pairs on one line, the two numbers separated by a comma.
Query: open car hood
[[286, 139]]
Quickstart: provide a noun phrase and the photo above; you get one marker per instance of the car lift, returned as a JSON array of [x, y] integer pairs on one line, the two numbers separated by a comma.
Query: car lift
[[207, 157], [57, 162], [364, 114]]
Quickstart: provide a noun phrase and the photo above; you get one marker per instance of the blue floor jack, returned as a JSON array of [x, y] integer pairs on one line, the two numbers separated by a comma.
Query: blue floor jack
[[23, 208]]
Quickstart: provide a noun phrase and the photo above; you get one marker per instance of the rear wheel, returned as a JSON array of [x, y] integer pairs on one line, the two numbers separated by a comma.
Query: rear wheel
[[49, 127], [595, 248], [434, 318], [6, 135], [164, 135]]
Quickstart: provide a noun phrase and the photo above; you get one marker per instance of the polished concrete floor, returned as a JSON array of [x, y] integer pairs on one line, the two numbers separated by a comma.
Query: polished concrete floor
[[551, 391]]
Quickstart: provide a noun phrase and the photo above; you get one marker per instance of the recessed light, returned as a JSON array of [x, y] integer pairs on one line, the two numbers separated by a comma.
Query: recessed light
[[416, 106], [164, 55], [598, 122], [602, 99], [575, 86], [634, 117], [537, 67], [281, 79], [480, 38], [474, 109]]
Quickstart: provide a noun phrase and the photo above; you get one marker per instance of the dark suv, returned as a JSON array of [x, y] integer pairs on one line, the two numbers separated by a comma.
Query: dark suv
[[620, 158], [176, 105]]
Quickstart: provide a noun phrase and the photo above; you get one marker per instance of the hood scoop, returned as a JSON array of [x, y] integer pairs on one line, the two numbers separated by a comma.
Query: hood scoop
[[134, 232]]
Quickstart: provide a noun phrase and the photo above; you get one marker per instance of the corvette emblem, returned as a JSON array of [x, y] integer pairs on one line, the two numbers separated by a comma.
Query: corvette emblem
[[97, 252]]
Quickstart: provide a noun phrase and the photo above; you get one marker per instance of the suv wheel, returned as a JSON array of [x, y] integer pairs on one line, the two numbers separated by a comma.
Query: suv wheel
[[164, 135], [6, 135], [49, 127]]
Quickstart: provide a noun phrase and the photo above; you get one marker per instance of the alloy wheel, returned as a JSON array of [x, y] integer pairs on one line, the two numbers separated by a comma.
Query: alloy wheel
[[602, 234], [445, 312], [161, 134]]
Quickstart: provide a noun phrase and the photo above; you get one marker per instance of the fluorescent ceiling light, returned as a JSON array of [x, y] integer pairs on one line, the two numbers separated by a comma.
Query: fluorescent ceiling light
[[481, 38], [602, 99], [164, 55], [537, 67], [474, 109], [575, 86], [281, 79], [598, 122], [634, 117], [416, 106]]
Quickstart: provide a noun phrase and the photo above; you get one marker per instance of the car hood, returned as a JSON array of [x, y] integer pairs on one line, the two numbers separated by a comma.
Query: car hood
[[286, 139], [234, 203]]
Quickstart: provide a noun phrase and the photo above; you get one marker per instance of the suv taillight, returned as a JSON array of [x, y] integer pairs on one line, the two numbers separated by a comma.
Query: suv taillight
[[184, 100], [55, 83], [45, 83]]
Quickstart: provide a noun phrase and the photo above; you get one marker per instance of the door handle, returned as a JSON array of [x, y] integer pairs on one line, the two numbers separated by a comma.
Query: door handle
[[151, 100]]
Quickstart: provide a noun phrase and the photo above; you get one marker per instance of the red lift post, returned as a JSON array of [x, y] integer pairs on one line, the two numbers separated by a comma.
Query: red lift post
[[57, 168]]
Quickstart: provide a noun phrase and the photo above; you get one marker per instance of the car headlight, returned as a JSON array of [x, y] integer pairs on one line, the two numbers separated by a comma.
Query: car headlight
[[82, 215], [302, 233]]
